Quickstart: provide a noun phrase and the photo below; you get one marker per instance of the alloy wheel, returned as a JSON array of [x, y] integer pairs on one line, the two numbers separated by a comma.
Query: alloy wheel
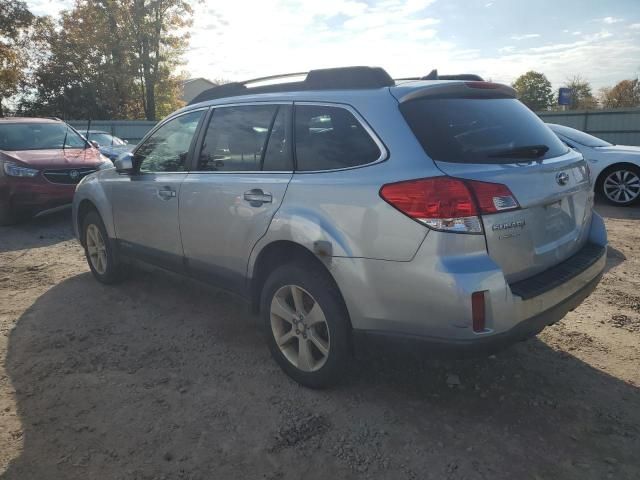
[[300, 328], [621, 186], [97, 249]]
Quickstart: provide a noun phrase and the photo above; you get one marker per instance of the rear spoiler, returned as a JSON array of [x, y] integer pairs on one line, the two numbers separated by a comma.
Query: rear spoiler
[[472, 89]]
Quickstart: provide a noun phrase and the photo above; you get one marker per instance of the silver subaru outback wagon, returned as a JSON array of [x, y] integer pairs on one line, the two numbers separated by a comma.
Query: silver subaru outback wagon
[[347, 205]]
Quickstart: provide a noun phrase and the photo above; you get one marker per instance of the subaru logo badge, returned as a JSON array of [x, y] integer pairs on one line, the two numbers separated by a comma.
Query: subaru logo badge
[[74, 174], [562, 178]]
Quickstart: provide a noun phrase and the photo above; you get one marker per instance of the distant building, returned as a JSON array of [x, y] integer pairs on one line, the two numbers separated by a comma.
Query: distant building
[[195, 86]]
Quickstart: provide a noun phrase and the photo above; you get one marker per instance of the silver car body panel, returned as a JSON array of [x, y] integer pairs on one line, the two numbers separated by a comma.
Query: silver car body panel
[[552, 223], [394, 273]]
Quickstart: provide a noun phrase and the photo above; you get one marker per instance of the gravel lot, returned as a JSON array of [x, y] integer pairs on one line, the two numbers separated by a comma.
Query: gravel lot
[[164, 378]]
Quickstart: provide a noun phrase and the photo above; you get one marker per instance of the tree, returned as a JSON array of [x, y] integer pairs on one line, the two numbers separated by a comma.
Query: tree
[[159, 28], [624, 94], [15, 20], [581, 96], [113, 59], [534, 90]]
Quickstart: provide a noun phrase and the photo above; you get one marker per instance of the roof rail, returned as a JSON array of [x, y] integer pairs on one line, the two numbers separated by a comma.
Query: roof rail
[[343, 78]]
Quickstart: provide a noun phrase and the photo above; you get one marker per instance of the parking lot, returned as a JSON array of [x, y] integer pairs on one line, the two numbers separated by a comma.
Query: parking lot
[[162, 378]]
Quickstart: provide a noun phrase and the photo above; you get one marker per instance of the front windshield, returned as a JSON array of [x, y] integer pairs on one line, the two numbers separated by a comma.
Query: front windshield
[[38, 136], [580, 137], [104, 139]]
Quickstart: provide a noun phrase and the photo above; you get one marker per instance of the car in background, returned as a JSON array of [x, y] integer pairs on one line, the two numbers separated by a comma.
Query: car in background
[[41, 162], [614, 168], [109, 145]]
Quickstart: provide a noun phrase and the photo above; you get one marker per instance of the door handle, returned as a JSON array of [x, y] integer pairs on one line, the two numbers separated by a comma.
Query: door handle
[[257, 197], [166, 193]]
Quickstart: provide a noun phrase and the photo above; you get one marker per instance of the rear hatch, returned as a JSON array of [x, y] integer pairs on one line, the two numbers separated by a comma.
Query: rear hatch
[[478, 131]]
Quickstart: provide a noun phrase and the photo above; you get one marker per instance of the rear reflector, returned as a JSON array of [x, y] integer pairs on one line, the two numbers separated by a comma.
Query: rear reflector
[[449, 204], [478, 311]]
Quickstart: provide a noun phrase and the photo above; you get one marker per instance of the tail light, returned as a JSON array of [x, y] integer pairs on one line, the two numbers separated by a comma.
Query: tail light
[[449, 204]]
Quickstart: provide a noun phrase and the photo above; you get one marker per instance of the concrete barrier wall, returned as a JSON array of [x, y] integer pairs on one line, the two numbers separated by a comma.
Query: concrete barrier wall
[[620, 126]]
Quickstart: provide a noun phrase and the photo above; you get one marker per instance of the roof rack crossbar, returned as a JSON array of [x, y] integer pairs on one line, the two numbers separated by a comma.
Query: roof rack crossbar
[[273, 77]]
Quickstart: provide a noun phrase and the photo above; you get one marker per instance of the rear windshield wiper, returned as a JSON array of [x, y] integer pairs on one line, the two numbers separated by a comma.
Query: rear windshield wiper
[[527, 151]]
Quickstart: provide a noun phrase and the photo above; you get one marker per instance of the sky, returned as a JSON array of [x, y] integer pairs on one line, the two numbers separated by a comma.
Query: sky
[[497, 39]]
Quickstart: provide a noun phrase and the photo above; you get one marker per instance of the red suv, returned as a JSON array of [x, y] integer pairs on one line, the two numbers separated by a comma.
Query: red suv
[[41, 161]]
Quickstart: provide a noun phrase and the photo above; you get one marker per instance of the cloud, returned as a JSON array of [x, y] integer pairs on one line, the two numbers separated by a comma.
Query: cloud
[[240, 39], [611, 20], [525, 36], [303, 35], [488, 4]]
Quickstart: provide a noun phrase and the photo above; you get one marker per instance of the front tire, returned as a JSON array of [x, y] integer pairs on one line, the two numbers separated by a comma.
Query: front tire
[[100, 252], [306, 324], [620, 185]]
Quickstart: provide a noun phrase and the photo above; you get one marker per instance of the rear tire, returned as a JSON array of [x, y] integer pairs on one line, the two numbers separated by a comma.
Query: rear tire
[[306, 324], [100, 251], [620, 185]]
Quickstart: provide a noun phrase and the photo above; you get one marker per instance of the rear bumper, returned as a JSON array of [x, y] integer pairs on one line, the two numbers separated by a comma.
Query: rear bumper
[[486, 344], [430, 297]]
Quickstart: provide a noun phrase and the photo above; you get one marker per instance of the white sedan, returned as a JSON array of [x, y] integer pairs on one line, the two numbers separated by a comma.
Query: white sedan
[[615, 168]]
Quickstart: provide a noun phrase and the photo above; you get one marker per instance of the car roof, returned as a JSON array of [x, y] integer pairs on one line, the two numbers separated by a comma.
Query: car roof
[[401, 90], [29, 120], [336, 85], [331, 96], [94, 131]]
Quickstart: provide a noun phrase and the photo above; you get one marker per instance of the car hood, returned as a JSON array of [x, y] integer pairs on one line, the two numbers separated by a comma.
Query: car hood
[[68, 158], [619, 149]]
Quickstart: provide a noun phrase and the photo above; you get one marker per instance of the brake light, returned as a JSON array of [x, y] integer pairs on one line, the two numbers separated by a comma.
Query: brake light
[[448, 204]]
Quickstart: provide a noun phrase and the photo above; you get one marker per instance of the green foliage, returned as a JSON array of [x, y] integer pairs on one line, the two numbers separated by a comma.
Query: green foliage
[[581, 96], [15, 22], [534, 90]]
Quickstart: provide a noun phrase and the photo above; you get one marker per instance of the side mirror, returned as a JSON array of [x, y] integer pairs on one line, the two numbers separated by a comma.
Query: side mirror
[[124, 163], [94, 144]]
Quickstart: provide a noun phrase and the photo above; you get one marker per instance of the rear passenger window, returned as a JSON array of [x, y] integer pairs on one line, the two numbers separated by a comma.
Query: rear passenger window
[[329, 138], [244, 138]]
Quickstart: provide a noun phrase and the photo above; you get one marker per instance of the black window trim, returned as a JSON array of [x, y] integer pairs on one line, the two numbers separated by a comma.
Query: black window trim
[[205, 125], [160, 124], [384, 152]]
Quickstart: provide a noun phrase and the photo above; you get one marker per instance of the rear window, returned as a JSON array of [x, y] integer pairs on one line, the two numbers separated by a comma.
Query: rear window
[[465, 130]]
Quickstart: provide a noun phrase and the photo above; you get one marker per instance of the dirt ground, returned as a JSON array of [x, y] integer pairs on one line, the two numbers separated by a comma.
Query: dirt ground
[[164, 378]]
